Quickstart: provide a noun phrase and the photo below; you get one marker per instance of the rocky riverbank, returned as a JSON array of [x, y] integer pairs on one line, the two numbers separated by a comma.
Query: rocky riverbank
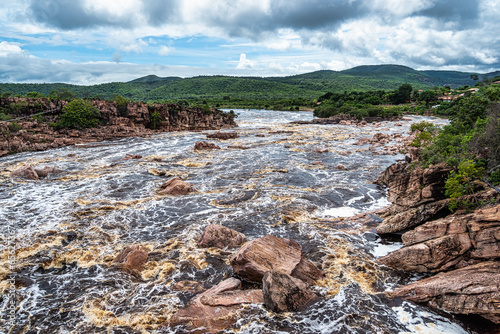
[[462, 249], [132, 121]]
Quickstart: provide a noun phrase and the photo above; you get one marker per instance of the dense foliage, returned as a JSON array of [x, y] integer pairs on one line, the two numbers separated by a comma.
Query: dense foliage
[[78, 114]]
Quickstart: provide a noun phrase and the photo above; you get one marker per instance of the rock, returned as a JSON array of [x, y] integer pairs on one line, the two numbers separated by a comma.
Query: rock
[[222, 135], [268, 253], [341, 167], [221, 237], [175, 186], [321, 150], [27, 172], [132, 156], [45, 171], [132, 258], [284, 293], [452, 242], [203, 145], [217, 308], [191, 286], [471, 290]]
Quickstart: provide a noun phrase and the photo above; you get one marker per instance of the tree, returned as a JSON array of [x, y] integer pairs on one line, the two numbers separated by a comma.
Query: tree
[[402, 94], [428, 96], [79, 114]]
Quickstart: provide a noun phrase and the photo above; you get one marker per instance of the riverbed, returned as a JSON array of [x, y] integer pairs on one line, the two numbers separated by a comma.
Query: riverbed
[[70, 226]]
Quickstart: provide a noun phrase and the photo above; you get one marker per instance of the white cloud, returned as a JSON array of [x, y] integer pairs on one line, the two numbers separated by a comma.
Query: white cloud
[[164, 50], [244, 62], [7, 48]]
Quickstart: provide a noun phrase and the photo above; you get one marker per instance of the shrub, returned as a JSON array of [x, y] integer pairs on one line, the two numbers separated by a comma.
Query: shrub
[[462, 182], [155, 119], [79, 114], [14, 127]]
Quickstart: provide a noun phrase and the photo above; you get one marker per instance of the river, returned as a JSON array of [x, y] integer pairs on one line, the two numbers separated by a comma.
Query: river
[[69, 227]]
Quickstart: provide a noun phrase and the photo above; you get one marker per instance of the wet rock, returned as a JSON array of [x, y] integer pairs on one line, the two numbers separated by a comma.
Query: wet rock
[[471, 290], [222, 135], [341, 167], [221, 237], [452, 242], [203, 145], [27, 172], [259, 256], [175, 186], [191, 286], [216, 308], [132, 258], [284, 293], [321, 150], [45, 171], [132, 156]]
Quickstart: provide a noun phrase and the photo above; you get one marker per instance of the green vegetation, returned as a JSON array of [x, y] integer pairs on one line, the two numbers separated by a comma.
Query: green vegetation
[[285, 93], [155, 119], [78, 114]]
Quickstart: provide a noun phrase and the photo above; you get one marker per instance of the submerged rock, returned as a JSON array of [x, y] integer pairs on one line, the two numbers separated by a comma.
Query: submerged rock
[[284, 293], [222, 135], [216, 308], [259, 256], [175, 186], [471, 290], [221, 237], [132, 156], [132, 258], [45, 171], [27, 172], [203, 145]]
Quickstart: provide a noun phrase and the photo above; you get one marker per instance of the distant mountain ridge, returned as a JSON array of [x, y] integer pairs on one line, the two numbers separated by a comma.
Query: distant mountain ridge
[[307, 85]]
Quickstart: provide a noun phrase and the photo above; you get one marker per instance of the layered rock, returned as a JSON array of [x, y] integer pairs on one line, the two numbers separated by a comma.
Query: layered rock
[[221, 237], [471, 290], [134, 121], [175, 187], [453, 242], [28, 172], [268, 253], [284, 293], [216, 308], [222, 135]]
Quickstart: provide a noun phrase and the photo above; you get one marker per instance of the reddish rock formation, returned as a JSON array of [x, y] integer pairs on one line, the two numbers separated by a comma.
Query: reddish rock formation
[[203, 145], [216, 308], [45, 171], [321, 150], [27, 172], [132, 258], [191, 286], [259, 256], [452, 242], [133, 122], [222, 135], [284, 293], [471, 290], [221, 237], [239, 147], [175, 186]]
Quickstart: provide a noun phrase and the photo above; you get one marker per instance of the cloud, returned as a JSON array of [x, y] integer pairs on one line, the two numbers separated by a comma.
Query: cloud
[[117, 57], [7, 49], [245, 63], [164, 50]]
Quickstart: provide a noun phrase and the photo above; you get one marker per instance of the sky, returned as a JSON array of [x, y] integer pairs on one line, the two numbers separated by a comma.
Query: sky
[[97, 41]]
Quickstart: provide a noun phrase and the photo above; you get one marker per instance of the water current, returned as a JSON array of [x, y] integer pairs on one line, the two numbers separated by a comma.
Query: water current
[[69, 227]]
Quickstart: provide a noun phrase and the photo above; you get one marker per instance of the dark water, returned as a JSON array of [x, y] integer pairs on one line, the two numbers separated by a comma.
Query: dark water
[[69, 228]]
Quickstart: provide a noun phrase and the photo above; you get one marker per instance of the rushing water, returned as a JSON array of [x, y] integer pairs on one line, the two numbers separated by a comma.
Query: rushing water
[[69, 228]]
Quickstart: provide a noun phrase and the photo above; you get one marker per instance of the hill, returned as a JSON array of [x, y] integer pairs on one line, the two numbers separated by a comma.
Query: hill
[[307, 86]]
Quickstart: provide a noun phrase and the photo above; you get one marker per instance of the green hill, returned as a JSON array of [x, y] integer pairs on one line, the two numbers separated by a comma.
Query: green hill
[[308, 85]]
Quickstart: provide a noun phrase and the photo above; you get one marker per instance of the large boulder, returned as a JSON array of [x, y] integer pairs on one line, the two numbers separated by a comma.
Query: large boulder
[[203, 145], [455, 241], [217, 308], [132, 258], [221, 237], [471, 290], [27, 172], [268, 253], [175, 186], [284, 293]]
